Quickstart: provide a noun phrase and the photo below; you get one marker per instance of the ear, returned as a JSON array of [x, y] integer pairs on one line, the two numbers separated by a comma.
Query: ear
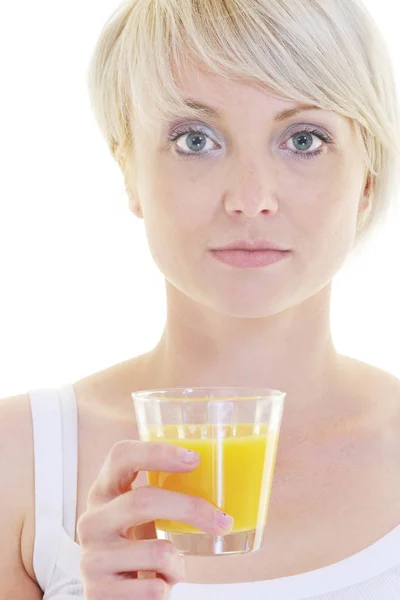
[[134, 204], [366, 199]]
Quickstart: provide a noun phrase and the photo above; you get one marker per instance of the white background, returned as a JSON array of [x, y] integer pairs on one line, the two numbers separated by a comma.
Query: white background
[[79, 289]]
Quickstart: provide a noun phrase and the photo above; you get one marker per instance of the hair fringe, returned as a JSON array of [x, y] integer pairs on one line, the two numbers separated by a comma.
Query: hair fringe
[[331, 54]]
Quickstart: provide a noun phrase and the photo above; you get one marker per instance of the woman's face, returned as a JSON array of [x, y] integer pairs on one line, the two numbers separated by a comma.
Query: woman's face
[[247, 175]]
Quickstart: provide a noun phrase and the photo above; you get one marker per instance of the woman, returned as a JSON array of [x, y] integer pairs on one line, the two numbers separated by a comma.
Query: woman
[[256, 168]]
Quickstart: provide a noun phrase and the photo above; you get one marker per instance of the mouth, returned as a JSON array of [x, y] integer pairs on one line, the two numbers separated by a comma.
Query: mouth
[[250, 259]]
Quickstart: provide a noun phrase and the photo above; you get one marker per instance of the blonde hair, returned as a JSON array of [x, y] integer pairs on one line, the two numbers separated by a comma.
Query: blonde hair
[[329, 53]]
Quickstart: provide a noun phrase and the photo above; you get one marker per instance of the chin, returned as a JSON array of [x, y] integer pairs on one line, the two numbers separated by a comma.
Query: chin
[[248, 308]]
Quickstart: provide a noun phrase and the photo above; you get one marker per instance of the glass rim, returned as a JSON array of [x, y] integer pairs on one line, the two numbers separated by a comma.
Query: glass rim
[[247, 393]]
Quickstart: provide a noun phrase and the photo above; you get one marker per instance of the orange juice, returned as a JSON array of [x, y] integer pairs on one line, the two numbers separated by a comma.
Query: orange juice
[[235, 471]]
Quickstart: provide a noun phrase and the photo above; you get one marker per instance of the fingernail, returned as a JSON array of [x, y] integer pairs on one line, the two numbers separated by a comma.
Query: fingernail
[[188, 456], [223, 520]]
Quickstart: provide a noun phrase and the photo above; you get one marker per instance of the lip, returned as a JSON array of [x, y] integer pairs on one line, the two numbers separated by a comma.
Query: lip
[[256, 244], [250, 259]]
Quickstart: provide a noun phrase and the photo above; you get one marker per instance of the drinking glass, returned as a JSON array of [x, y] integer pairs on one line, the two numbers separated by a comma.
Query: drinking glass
[[235, 431]]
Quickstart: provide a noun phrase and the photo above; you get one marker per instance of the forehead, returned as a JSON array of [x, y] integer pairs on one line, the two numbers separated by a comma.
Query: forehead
[[250, 102], [229, 96], [222, 92]]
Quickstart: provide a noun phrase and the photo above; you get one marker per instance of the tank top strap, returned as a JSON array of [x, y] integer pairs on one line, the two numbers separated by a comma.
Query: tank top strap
[[69, 423], [48, 471]]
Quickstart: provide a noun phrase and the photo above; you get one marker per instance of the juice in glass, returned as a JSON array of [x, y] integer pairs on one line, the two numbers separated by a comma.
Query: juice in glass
[[235, 470], [235, 430]]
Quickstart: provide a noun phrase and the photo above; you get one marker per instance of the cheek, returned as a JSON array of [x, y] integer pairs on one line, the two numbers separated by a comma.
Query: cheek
[[181, 205], [178, 218], [326, 207]]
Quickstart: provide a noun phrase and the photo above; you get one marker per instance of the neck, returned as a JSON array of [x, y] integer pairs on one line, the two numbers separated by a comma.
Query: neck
[[291, 351]]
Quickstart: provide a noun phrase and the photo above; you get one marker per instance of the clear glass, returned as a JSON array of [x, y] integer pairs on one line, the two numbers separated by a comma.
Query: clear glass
[[235, 431]]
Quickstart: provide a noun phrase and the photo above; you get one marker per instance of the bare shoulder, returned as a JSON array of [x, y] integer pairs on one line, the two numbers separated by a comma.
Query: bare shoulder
[[370, 379], [109, 390], [17, 478], [105, 416], [379, 390], [378, 375], [16, 454]]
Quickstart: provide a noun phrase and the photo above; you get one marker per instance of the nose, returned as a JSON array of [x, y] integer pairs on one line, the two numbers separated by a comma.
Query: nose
[[252, 189]]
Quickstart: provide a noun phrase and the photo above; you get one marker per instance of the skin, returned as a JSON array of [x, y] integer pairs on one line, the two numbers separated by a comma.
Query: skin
[[271, 327], [268, 327], [337, 473]]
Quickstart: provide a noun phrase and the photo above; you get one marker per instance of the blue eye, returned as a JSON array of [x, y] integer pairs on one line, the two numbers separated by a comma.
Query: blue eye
[[196, 142], [309, 133]]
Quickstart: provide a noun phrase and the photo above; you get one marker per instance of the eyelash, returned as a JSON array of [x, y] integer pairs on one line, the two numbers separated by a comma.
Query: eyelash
[[302, 155]]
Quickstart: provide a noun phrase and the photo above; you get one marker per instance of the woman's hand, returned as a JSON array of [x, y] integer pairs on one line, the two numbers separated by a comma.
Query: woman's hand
[[111, 559]]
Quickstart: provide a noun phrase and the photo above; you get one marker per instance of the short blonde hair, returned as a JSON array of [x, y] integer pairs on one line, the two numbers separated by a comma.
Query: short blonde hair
[[325, 52]]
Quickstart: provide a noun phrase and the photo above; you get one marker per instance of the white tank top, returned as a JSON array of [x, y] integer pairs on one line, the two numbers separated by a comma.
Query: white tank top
[[372, 574]]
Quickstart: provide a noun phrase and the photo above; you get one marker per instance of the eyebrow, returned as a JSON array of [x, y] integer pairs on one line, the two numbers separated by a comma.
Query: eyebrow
[[280, 116]]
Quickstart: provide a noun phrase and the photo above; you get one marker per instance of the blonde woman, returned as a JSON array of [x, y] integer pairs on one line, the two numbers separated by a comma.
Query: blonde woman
[[254, 124]]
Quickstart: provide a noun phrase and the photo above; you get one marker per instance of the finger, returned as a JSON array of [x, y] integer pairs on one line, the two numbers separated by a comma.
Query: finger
[[128, 457], [127, 558], [145, 504]]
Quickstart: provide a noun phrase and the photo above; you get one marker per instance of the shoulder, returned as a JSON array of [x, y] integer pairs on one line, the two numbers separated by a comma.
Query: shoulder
[[109, 390], [17, 477], [378, 390], [16, 446], [369, 379]]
